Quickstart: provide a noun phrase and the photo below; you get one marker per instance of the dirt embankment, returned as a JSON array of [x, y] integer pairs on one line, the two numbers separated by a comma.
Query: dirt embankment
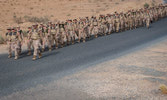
[[13, 12]]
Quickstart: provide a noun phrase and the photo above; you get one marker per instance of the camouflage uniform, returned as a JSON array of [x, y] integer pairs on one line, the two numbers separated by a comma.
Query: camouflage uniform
[[36, 38], [95, 28], [70, 32], [81, 31], [147, 21], [19, 31], [29, 41], [117, 24], [62, 34], [13, 39]]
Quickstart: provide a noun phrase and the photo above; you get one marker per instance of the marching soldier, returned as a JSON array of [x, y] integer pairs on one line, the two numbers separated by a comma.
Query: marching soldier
[[117, 23], [110, 24], [95, 27], [62, 34], [29, 40], [8, 36], [147, 20], [13, 39], [70, 32], [19, 31], [76, 32], [81, 31], [36, 37]]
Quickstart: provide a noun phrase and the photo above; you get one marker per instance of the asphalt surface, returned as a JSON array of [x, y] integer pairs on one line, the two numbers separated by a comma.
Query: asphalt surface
[[17, 75]]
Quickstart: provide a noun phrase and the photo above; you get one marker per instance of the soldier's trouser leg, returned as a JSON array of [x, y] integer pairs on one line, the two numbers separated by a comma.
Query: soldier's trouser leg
[[29, 44], [62, 43], [9, 49], [49, 44], [79, 36], [57, 44], [19, 49], [44, 44], [16, 49], [95, 32], [117, 28], [52, 41], [147, 24], [36, 44], [84, 36]]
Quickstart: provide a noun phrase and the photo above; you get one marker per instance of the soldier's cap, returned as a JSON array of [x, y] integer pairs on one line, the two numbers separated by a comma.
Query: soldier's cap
[[69, 20], [9, 28], [18, 26], [13, 28], [75, 20]]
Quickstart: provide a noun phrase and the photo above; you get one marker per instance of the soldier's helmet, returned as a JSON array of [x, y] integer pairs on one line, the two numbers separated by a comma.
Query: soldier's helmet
[[34, 26], [14, 29], [18, 26], [29, 27], [9, 28]]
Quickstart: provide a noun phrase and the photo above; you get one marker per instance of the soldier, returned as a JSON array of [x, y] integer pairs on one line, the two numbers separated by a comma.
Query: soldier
[[147, 20], [70, 32], [117, 23], [110, 24], [52, 32], [122, 22], [8, 37], [29, 40], [104, 26], [130, 22], [13, 39], [81, 31], [62, 34], [76, 31], [19, 31], [36, 37], [57, 35], [95, 28]]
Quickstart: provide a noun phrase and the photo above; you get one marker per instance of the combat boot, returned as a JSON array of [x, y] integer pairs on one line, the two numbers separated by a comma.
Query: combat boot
[[68, 42], [72, 41], [62, 45], [95, 36], [56, 46], [29, 53], [34, 57], [40, 55], [16, 57], [50, 49], [83, 40], [78, 40], [43, 49], [10, 56]]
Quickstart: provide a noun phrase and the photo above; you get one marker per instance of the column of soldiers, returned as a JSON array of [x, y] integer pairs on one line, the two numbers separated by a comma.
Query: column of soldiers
[[60, 34]]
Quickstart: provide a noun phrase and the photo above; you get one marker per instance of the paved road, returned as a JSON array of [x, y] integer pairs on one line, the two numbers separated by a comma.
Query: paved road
[[25, 73]]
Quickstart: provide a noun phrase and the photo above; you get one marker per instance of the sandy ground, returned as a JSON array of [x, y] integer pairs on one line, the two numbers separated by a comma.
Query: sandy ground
[[135, 76]]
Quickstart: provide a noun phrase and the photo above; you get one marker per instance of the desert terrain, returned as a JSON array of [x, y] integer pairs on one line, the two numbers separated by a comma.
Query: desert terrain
[[26, 12]]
